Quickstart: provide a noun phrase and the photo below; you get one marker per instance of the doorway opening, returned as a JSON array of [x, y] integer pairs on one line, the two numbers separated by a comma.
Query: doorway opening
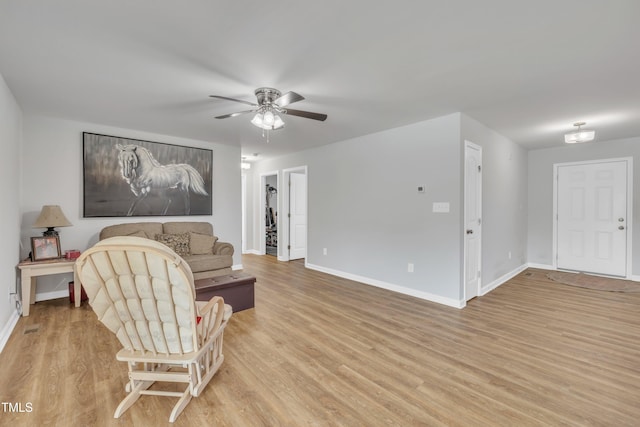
[[269, 230], [271, 215]]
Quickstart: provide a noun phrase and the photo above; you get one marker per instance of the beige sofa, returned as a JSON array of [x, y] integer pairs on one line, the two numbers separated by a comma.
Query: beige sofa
[[194, 241]]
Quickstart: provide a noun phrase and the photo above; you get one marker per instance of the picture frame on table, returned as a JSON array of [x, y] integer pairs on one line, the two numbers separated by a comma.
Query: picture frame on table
[[45, 247]]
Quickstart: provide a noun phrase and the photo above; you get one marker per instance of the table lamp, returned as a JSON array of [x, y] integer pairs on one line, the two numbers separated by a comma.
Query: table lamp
[[51, 216]]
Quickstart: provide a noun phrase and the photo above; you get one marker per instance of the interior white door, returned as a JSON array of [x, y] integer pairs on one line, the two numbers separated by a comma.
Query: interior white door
[[472, 219], [297, 216], [592, 217]]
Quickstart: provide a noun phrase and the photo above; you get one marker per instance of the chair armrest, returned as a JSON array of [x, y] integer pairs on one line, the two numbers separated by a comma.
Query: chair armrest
[[211, 315], [223, 248]]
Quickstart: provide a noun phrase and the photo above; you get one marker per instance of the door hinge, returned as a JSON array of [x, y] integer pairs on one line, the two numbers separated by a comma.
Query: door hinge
[[479, 168], [289, 247]]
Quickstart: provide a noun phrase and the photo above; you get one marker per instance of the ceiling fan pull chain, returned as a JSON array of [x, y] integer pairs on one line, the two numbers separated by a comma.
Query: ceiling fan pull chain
[[265, 135]]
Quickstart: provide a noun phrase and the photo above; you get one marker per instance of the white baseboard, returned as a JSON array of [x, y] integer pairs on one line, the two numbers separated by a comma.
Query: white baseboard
[[391, 287], [633, 277], [502, 279], [541, 266], [252, 252], [237, 267], [8, 328], [44, 296]]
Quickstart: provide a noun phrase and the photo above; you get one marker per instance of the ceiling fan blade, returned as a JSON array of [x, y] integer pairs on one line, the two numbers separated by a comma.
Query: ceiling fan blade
[[234, 100], [307, 114], [238, 113], [288, 98]]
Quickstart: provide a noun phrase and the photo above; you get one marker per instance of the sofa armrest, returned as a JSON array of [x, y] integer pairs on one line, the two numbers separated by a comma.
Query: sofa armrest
[[223, 248]]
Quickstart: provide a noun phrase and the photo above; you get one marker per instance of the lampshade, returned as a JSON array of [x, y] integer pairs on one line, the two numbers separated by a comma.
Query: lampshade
[[579, 135], [51, 216]]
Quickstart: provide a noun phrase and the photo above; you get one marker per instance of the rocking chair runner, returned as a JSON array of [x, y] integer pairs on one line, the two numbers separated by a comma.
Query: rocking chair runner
[[143, 292]]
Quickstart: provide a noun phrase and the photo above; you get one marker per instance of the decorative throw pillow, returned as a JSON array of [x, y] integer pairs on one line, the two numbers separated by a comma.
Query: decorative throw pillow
[[201, 244], [139, 233], [178, 242]]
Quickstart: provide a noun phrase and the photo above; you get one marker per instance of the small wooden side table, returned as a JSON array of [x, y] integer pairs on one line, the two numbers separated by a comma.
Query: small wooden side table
[[30, 270]]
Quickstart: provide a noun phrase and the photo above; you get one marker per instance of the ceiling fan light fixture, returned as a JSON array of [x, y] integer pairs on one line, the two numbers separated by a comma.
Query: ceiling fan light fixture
[[257, 120], [277, 122], [579, 135], [267, 120], [269, 108]]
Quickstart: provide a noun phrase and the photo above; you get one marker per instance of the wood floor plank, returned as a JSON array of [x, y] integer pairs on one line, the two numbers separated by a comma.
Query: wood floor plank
[[319, 350]]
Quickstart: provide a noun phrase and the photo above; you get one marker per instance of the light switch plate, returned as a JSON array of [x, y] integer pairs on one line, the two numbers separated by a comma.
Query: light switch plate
[[441, 207]]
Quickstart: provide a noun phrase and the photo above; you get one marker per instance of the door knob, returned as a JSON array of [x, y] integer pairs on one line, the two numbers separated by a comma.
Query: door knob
[[621, 227], [469, 231]]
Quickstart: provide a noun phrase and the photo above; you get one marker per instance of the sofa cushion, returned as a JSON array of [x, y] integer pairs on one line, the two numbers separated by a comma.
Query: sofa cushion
[[200, 263], [150, 229], [178, 242], [139, 233], [187, 226], [201, 244]]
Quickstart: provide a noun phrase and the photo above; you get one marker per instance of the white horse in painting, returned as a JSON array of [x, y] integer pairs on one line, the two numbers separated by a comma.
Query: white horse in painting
[[144, 174]]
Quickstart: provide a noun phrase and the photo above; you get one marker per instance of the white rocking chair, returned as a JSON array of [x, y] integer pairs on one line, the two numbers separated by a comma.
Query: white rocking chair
[[143, 292]]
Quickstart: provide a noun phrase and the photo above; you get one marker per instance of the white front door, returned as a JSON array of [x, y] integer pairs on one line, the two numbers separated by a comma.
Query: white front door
[[297, 216], [592, 218], [472, 219]]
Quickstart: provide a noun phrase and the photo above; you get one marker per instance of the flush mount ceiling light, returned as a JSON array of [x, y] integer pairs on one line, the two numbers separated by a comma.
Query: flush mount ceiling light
[[579, 135]]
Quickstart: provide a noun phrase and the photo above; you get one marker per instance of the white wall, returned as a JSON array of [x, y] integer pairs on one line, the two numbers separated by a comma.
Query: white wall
[[364, 207], [504, 203], [10, 140], [540, 179], [250, 200], [52, 174]]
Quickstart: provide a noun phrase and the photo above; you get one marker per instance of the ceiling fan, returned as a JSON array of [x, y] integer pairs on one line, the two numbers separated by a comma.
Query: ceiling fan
[[270, 103]]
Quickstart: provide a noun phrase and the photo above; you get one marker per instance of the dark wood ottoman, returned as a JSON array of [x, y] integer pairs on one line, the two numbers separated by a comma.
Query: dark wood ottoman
[[235, 288]]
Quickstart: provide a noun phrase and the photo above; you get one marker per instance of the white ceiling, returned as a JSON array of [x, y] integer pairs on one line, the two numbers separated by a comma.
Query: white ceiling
[[527, 69]]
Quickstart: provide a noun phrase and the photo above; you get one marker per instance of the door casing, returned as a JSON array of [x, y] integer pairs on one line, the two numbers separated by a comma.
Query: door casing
[[284, 221], [629, 214], [472, 250]]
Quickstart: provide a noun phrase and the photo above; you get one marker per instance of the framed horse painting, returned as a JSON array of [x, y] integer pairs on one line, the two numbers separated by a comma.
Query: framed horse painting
[[131, 177]]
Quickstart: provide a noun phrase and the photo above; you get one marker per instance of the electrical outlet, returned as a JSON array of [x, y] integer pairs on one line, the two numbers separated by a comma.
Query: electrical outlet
[[509, 254], [324, 251], [410, 267]]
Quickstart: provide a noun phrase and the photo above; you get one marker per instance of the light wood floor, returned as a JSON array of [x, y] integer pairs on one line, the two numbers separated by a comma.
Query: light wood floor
[[319, 350]]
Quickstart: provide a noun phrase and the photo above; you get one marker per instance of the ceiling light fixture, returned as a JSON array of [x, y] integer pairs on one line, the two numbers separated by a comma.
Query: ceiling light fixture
[[579, 135], [267, 119]]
